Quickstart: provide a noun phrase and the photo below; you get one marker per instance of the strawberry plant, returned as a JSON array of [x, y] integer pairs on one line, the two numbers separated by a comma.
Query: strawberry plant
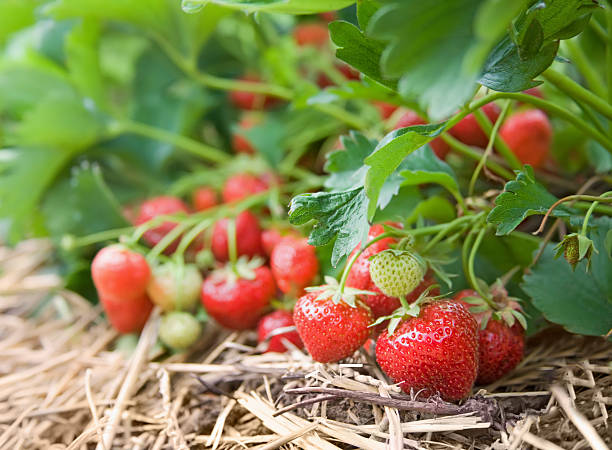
[[240, 152]]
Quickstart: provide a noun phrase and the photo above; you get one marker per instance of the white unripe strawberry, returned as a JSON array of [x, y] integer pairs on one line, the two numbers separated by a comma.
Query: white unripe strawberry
[[397, 272]]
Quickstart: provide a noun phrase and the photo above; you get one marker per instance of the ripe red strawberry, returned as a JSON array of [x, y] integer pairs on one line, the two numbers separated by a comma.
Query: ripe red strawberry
[[529, 136], [411, 118], [120, 273], [238, 303], [204, 198], [500, 346], [127, 316], [159, 206], [535, 91], [248, 237], [248, 100], [294, 264], [242, 185], [121, 277], [314, 34], [385, 109], [331, 331], [272, 322], [435, 352], [468, 130]]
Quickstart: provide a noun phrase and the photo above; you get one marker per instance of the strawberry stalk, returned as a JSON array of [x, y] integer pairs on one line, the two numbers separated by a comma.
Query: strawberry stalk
[[469, 267], [492, 132], [493, 138]]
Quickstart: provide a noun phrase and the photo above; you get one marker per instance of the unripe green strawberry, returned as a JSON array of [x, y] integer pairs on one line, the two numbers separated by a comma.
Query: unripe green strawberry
[[397, 272], [174, 287], [179, 330]]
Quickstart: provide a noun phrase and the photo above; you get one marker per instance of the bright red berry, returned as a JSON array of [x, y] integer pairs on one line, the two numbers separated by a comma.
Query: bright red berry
[[204, 198], [331, 331], [433, 353], [314, 34], [120, 273], [248, 237], [127, 316], [468, 130], [160, 206], [272, 322], [529, 136], [534, 91], [348, 72], [238, 303], [247, 100], [328, 16], [411, 118], [500, 346], [242, 185], [294, 264]]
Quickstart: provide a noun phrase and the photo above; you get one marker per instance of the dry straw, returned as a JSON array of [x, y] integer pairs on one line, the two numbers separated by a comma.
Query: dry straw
[[61, 387]]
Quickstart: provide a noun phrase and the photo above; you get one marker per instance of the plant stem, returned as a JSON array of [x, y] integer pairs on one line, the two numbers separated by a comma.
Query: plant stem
[[342, 114], [587, 216], [604, 198], [471, 274], [476, 155], [599, 30], [500, 145], [577, 92], [492, 136], [350, 262], [184, 143], [602, 209], [94, 238], [585, 67], [189, 68], [608, 57], [451, 226]]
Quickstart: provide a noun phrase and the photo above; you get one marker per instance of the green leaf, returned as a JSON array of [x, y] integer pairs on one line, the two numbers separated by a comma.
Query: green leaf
[[599, 157], [578, 300], [435, 208], [428, 43], [423, 166], [277, 6], [401, 205], [59, 122], [521, 198], [83, 61], [359, 51], [22, 85], [514, 63], [342, 215], [345, 166], [505, 71], [365, 11], [268, 139], [24, 176], [81, 204], [15, 15], [390, 152]]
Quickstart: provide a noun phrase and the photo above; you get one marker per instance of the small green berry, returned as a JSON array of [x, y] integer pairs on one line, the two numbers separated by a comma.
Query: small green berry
[[179, 330]]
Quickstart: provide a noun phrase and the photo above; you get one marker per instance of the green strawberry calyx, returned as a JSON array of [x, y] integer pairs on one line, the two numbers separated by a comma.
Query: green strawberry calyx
[[331, 289], [407, 310], [244, 268], [575, 247], [500, 307]]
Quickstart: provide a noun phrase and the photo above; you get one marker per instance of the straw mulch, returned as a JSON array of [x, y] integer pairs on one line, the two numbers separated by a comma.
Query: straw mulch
[[61, 386]]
